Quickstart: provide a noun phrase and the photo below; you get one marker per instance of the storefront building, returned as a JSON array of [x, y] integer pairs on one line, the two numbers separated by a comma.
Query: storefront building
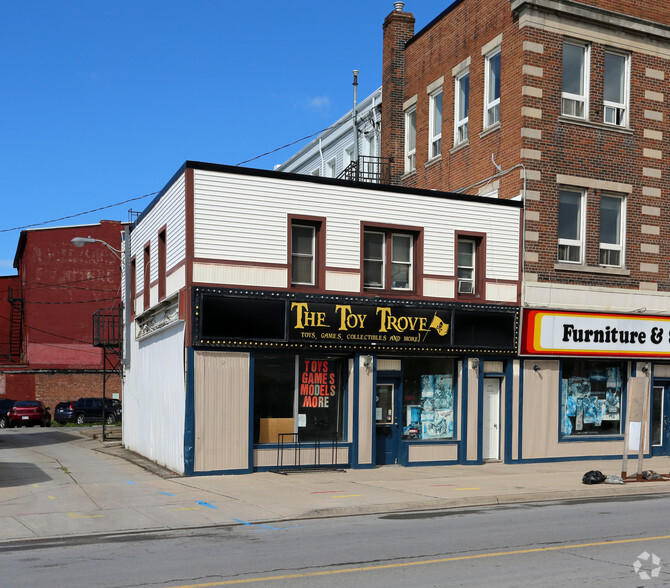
[[578, 383], [294, 320], [383, 379]]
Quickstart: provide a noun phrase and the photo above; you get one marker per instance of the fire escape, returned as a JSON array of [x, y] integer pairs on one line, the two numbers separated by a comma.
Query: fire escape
[[108, 335], [366, 168], [15, 325]]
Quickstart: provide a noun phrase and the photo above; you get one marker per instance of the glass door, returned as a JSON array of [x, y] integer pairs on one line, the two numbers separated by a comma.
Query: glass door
[[660, 409], [387, 411]]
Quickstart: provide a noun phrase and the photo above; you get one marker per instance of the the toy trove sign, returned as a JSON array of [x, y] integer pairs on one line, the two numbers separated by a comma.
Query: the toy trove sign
[[594, 334], [347, 323]]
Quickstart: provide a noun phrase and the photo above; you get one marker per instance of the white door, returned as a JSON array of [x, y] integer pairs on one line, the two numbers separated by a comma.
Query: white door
[[491, 419]]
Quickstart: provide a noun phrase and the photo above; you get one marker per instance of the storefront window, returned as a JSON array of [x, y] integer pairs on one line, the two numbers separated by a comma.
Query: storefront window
[[591, 398], [428, 398], [298, 394]]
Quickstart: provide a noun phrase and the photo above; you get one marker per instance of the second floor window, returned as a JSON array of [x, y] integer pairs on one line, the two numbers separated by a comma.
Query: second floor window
[[435, 122], [465, 262], [303, 253], [462, 96], [616, 89], [611, 230], [570, 226], [574, 95], [492, 89], [410, 140], [388, 260]]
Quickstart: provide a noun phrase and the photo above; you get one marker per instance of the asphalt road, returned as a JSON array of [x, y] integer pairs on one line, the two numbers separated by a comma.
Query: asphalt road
[[584, 543]]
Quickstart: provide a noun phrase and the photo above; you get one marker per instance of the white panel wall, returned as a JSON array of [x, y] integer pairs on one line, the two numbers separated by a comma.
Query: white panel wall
[[170, 210], [244, 218], [154, 395]]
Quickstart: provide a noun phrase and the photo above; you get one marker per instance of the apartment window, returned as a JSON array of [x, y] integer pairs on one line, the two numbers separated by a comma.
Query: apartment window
[[611, 230], [570, 226], [388, 259], [574, 96], [162, 264], [410, 140], [435, 122], [462, 96], [492, 88], [616, 89], [133, 285], [146, 271], [330, 168], [348, 156], [303, 254], [465, 262]]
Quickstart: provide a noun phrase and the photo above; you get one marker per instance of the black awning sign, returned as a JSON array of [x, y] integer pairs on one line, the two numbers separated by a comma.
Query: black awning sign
[[356, 323]]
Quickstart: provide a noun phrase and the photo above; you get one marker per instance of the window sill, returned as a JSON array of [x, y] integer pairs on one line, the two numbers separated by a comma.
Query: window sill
[[408, 174], [460, 146], [489, 130], [580, 122], [591, 269], [433, 161]]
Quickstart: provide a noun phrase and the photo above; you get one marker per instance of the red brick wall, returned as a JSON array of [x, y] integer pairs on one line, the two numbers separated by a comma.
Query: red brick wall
[[593, 151], [54, 388]]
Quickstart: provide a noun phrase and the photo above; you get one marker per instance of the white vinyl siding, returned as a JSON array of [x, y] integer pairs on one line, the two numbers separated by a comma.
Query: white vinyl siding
[[244, 219], [170, 210]]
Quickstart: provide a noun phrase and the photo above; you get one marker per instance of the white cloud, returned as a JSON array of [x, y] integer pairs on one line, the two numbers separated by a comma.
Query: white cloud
[[318, 102]]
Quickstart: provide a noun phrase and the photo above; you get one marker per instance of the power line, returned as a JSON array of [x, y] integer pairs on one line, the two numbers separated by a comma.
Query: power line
[[78, 214]]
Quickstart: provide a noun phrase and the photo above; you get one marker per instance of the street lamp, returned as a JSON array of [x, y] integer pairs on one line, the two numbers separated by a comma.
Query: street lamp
[[80, 242]]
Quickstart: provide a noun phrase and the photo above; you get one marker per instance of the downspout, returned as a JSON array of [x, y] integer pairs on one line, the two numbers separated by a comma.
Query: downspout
[[354, 115]]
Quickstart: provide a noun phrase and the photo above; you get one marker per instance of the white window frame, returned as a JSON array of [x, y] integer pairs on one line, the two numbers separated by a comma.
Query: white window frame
[[331, 168], [577, 105], [311, 255], [461, 123], [616, 113], [608, 249], [491, 103], [581, 227], [435, 138], [387, 260], [466, 285], [410, 146]]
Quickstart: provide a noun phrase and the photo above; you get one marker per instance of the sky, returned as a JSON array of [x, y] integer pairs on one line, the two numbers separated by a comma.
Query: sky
[[102, 102]]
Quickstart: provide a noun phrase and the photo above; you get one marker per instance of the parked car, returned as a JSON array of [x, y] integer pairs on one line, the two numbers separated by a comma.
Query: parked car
[[5, 406], [89, 410], [64, 412], [29, 413]]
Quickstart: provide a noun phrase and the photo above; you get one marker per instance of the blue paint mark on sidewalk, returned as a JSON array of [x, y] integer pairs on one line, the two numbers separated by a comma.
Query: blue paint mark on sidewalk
[[166, 493], [207, 504], [264, 527], [131, 483]]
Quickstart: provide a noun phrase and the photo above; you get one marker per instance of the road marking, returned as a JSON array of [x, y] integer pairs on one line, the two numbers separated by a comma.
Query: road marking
[[327, 492], [77, 516], [166, 493], [52, 498], [421, 563], [131, 483]]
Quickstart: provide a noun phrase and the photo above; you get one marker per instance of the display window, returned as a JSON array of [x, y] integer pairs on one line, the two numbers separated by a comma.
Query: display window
[[298, 394], [592, 396], [428, 386]]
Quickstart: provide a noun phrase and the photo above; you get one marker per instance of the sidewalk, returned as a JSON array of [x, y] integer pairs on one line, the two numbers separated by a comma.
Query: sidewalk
[[108, 489]]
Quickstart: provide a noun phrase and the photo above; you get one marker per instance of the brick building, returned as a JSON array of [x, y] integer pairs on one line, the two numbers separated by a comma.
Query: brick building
[[46, 312], [562, 104]]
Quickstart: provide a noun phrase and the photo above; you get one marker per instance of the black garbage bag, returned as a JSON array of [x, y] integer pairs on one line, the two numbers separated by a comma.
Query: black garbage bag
[[593, 477]]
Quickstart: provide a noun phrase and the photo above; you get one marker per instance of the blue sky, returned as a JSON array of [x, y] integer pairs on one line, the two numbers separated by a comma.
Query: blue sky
[[103, 101]]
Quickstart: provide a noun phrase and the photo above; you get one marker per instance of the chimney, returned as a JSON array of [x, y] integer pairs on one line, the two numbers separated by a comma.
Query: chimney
[[398, 29]]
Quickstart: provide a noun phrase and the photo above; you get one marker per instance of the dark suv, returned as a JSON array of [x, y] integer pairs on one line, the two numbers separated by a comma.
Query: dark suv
[[5, 406], [89, 410]]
